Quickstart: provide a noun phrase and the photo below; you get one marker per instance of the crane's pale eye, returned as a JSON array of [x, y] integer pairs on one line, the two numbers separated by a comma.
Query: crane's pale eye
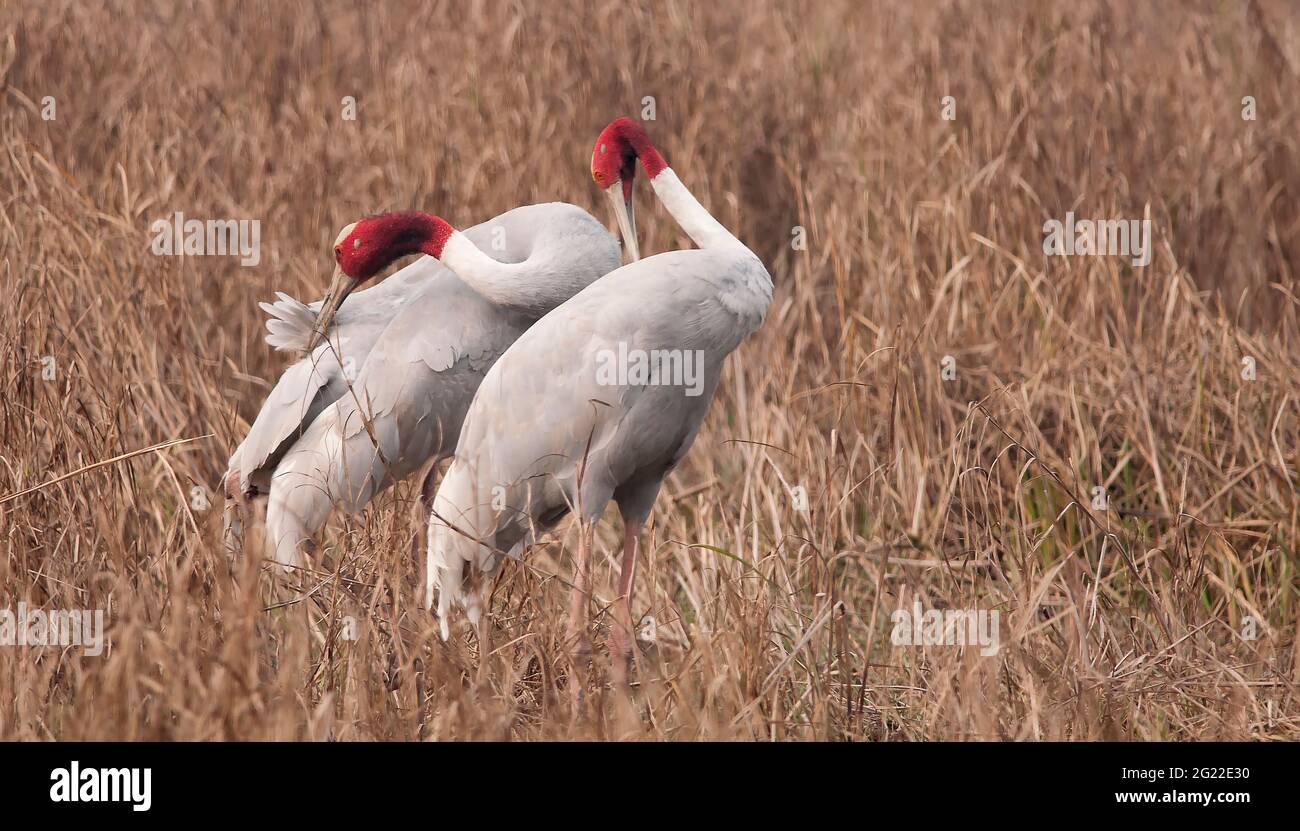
[[356, 243]]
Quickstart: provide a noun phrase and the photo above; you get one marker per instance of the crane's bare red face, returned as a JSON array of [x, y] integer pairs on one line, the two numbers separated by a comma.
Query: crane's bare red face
[[368, 246], [613, 160], [616, 152]]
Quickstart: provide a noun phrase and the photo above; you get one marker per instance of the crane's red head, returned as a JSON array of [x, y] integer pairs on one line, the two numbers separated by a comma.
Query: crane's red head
[[613, 167], [616, 151], [368, 246]]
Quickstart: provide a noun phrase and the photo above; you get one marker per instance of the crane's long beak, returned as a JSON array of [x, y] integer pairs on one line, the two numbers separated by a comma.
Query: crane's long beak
[[340, 287], [623, 212]]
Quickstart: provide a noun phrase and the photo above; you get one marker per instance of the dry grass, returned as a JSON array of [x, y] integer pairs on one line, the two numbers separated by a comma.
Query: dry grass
[[924, 240]]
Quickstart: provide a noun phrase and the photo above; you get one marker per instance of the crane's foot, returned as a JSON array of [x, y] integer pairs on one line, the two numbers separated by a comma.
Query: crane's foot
[[619, 644], [621, 654]]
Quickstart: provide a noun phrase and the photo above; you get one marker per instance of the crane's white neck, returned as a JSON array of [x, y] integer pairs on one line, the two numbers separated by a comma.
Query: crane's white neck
[[698, 223], [533, 286], [749, 297]]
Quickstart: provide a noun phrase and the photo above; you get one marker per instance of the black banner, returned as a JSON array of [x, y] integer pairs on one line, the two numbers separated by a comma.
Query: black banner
[[132, 782]]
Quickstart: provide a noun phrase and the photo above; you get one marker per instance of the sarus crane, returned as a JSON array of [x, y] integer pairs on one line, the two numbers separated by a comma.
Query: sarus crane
[[553, 431], [389, 374]]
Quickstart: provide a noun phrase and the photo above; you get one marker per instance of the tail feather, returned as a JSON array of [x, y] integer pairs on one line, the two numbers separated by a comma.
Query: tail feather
[[289, 323]]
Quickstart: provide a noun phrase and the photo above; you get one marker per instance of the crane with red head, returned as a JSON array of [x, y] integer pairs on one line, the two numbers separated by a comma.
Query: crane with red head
[[389, 371], [531, 453]]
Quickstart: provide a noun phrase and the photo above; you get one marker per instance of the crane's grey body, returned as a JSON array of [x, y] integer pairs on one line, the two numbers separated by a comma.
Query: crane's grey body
[[550, 433], [417, 354], [309, 386]]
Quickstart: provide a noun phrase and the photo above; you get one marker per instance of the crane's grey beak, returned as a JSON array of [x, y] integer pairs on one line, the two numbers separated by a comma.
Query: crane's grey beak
[[340, 287], [622, 208]]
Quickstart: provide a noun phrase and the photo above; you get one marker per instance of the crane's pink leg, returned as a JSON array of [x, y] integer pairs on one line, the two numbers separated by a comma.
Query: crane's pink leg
[[423, 504], [621, 634], [232, 520], [483, 628], [579, 602]]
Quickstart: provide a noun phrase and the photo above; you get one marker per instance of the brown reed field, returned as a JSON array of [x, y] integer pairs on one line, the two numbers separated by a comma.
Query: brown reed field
[[935, 412]]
